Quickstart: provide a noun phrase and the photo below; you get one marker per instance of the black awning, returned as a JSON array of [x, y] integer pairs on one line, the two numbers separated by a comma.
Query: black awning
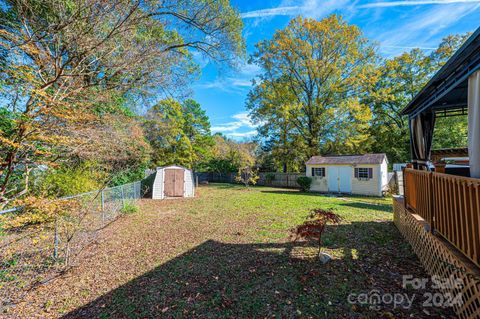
[[447, 89]]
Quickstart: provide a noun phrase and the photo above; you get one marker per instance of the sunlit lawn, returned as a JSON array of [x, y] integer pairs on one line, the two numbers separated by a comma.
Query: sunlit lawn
[[228, 254]]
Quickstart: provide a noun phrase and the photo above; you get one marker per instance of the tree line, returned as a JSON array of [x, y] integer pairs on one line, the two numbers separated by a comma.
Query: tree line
[[74, 73], [324, 89]]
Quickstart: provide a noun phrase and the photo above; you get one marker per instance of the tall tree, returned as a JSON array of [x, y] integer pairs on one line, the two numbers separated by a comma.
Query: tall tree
[[197, 129], [59, 60], [310, 92], [179, 133]]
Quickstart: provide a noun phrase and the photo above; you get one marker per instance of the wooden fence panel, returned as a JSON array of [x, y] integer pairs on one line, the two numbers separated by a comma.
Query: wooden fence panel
[[288, 180]]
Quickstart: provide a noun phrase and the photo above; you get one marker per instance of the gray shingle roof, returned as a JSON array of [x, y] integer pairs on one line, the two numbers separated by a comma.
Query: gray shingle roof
[[348, 159]]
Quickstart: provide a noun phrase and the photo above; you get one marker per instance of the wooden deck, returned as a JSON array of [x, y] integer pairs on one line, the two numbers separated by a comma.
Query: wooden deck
[[450, 205], [441, 259]]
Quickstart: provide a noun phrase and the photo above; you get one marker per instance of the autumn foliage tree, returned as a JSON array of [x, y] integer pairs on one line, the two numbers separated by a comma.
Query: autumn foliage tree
[[63, 63], [228, 155], [309, 94], [247, 172]]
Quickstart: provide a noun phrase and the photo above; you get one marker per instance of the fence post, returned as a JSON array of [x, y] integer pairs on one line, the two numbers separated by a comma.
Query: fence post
[[55, 240], [123, 196], [196, 181], [103, 206], [103, 200]]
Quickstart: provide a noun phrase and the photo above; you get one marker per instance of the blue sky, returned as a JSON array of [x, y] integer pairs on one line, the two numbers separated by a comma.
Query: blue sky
[[396, 26]]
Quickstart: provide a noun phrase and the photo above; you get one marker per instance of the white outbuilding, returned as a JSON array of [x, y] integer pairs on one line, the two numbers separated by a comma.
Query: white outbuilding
[[171, 181], [352, 174]]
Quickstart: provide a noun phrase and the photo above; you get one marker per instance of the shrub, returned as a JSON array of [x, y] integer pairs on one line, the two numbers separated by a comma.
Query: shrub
[[129, 208], [67, 181], [128, 175], [37, 210], [247, 176], [314, 226], [305, 183]]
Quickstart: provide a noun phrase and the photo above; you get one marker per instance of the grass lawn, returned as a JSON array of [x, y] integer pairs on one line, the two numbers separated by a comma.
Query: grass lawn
[[227, 254]]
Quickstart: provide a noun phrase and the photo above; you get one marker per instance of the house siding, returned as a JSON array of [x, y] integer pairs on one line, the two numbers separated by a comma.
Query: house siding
[[319, 184], [371, 186]]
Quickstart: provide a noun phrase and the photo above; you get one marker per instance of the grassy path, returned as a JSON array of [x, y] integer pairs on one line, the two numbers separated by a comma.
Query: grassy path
[[227, 254]]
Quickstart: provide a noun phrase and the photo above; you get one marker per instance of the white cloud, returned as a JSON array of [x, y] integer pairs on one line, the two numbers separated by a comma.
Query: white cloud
[[242, 120], [280, 11], [200, 59], [241, 126], [250, 70], [420, 28], [244, 134], [381, 4], [224, 128], [239, 83], [307, 8], [392, 50], [228, 85], [319, 8], [404, 47]]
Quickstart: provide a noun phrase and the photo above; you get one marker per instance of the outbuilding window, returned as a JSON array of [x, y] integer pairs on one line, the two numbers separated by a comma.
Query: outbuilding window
[[363, 173], [318, 171]]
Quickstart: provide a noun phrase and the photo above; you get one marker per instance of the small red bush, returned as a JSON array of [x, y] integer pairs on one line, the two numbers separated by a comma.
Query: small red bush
[[314, 226]]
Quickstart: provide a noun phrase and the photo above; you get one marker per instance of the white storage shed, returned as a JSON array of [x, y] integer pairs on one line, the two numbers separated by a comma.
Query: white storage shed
[[352, 174], [172, 181]]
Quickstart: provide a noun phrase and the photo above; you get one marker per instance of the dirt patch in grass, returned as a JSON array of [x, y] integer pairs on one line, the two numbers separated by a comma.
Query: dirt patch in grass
[[227, 254]]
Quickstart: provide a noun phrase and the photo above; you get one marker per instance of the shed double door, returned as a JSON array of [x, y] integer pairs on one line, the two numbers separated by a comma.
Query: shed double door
[[339, 179], [174, 181]]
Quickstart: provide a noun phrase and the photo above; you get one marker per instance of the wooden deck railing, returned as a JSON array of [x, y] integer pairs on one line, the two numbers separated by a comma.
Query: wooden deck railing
[[418, 193], [450, 204]]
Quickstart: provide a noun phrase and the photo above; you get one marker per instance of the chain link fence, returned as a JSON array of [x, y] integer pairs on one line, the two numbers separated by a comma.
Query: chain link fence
[[35, 253]]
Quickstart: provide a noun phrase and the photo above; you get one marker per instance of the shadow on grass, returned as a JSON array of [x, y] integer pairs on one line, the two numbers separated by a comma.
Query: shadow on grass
[[370, 206], [221, 185], [294, 191], [351, 197], [221, 280]]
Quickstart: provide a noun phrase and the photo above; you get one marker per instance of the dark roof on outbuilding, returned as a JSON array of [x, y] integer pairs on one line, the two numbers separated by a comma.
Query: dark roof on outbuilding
[[447, 89], [348, 159]]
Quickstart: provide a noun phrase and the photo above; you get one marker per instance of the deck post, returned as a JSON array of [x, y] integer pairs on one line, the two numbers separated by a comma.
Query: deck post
[[474, 123], [431, 202]]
